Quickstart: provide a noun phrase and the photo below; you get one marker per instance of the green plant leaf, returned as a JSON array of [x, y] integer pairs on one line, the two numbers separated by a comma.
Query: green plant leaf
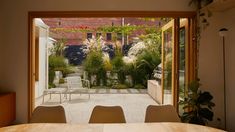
[[206, 113], [204, 98]]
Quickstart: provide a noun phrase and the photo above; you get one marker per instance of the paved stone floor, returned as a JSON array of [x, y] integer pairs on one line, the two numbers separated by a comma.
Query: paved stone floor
[[78, 110]]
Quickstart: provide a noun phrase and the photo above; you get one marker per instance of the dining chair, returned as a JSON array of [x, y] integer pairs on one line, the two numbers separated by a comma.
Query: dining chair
[[45, 114], [161, 113], [107, 114]]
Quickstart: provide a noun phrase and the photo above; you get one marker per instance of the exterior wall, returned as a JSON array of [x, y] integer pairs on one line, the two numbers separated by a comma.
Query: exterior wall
[[41, 84], [43, 38], [14, 25], [89, 23], [77, 23]]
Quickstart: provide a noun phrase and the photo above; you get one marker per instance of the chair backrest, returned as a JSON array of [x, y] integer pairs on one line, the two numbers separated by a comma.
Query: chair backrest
[[74, 82], [161, 113], [45, 114], [107, 114]]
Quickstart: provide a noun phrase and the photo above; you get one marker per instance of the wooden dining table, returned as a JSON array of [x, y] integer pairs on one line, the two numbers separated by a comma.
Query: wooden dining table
[[127, 127]]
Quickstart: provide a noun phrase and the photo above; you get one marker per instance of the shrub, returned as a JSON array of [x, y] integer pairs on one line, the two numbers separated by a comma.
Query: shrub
[[51, 85], [61, 81], [56, 62], [145, 64], [65, 70], [135, 74], [94, 65], [139, 86], [58, 48], [119, 67], [51, 76], [107, 62], [147, 61], [93, 62]]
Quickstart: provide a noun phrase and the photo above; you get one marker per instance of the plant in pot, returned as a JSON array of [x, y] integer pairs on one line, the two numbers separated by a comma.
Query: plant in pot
[[197, 106]]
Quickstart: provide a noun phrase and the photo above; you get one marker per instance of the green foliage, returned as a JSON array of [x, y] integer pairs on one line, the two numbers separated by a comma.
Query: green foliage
[[120, 86], [136, 74], [198, 105], [51, 85], [94, 65], [148, 61], [139, 86], [101, 76], [94, 62], [51, 76], [107, 63], [65, 70], [152, 39], [61, 81], [56, 62], [58, 48], [145, 64], [125, 29], [119, 67]]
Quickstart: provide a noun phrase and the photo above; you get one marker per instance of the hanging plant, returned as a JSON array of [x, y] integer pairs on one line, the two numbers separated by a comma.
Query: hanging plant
[[203, 12]]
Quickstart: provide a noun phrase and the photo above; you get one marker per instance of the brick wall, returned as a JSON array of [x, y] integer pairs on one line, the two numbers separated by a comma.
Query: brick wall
[[76, 38]]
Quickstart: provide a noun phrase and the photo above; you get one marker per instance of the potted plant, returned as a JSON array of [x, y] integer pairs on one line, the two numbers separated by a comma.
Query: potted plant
[[197, 106]]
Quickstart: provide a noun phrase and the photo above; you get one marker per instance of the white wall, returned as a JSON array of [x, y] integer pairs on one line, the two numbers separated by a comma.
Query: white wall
[[211, 65], [41, 83], [229, 22]]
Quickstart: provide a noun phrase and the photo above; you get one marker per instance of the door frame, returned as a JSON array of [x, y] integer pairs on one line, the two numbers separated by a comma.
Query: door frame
[[170, 25], [70, 14]]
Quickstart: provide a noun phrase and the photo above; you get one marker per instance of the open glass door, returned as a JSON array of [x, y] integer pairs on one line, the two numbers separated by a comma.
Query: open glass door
[[175, 61], [183, 61], [167, 62]]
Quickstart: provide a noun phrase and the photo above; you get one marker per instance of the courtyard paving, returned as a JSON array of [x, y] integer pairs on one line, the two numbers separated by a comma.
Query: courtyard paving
[[133, 101]]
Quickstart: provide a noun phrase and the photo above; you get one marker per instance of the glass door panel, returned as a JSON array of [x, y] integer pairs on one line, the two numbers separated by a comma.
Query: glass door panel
[[167, 62], [183, 44], [176, 60]]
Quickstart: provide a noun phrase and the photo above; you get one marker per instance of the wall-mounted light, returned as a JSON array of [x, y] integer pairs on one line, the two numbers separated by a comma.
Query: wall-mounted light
[[223, 32]]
